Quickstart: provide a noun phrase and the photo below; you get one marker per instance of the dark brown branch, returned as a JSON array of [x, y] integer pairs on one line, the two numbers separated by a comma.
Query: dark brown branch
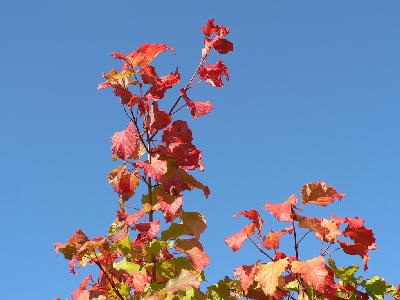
[[296, 245]]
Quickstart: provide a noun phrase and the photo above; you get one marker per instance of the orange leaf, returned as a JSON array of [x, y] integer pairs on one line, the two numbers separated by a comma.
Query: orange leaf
[[319, 193], [269, 276]]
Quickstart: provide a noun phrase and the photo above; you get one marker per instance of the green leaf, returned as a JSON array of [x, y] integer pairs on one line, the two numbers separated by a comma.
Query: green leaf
[[125, 244], [126, 266], [221, 290], [174, 231], [345, 274], [155, 247], [124, 290], [377, 287], [166, 268]]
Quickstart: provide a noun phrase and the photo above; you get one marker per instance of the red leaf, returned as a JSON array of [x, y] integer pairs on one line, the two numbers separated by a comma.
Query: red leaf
[[170, 205], [213, 73], [126, 144], [363, 237], [253, 216], [214, 38], [282, 211], [210, 28], [271, 241], [246, 275], [319, 193], [143, 55], [159, 84], [138, 281], [194, 250], [197, 108], [314, 272], [159, 119], [123, 182], [177, 132], [81, 293], [133, 218], [236, 240], [148, 230], [156, 169]]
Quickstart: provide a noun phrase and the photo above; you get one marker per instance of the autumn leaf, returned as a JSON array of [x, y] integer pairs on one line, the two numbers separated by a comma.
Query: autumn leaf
[[197, 108], [194, 222], [363, 237], [213, 73], [126, 144], [194, 250], [246, 275], [282, 211], [269, 276], [253, 216], [319, 193], [159, 119], [123, 182], [314, 272], [178, 132], [81, 293], [143, 55], [236, 240], [159, 84], [271, 241], [155, 169], [138, 281], [325, 230]]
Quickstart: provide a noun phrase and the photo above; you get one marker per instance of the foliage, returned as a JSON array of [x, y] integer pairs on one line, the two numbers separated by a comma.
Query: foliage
[[153, 251]]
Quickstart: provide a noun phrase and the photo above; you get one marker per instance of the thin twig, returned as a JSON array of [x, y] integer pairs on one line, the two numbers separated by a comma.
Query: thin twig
[[303, 236], [108, 278], [259, 249]]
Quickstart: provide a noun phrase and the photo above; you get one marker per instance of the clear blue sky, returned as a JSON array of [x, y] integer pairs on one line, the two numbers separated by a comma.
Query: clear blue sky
[[314, 95]]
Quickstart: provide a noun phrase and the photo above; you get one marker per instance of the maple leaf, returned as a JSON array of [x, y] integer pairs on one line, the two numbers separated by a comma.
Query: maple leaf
[[194, 250], [177, 180], [143, 55], [363, 237], [126, 144], [81, 293], [156, 169], [213, 73], [138, 281], [325, 230], [194, 222], [236, 240], [159, 119], [269, 276], [170, 205], [253, 216], [123, 182], [319, 193], [177, 132], [246, 275], [187, 155], [159, 84], [186, 280], [133, 218], [314, 272], [214, 38], [283, 211], [197, 108], [271, 241], [148, 230]]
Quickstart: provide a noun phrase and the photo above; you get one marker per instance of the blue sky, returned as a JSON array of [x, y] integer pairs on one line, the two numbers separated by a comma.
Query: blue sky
[[313, 95]]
